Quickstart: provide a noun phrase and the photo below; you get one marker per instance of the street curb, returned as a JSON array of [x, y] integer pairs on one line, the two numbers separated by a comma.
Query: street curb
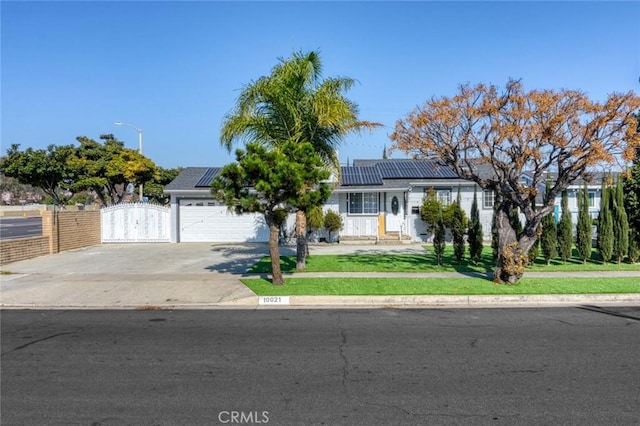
[[342, 302]]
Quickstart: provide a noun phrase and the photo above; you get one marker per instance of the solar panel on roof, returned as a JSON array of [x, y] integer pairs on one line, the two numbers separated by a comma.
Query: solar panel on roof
[[389, 170], [349, 177], [361, 176], [370, 176], [207, 177]]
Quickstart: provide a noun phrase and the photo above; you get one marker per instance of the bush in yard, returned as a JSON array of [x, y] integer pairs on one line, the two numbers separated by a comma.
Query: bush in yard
[[315, 218], [332, 222]]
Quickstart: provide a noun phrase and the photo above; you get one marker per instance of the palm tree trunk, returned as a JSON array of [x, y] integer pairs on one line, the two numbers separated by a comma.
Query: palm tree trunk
[[301, 237], [274, 253]]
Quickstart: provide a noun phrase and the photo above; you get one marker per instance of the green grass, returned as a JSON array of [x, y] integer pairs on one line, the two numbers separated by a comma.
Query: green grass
[[426, 263], [439, 286]]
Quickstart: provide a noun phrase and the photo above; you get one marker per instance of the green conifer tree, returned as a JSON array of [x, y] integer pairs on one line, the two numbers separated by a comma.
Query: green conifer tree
[[605, 224], [438, 238], [475, 230], [548, 239], [583, 227], [458, 226], [620, 224], [565, 229]]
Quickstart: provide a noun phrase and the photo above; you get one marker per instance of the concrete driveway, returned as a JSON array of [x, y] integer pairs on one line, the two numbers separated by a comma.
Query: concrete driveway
[[133, 275], [146, 258]]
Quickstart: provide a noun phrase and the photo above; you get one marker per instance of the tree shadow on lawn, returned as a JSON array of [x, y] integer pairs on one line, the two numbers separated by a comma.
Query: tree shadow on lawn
[[238, 258], [380, 261]]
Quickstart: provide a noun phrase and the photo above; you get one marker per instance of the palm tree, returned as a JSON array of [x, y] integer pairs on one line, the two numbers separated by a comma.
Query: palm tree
[[295, 103]]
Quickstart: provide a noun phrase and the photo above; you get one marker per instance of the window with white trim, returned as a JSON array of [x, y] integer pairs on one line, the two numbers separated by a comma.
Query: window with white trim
[[363, 203], [443, 196], [592, 198], [488, 198]]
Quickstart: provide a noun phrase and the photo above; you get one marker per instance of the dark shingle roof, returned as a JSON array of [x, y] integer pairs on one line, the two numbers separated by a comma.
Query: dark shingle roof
[[193, 178]]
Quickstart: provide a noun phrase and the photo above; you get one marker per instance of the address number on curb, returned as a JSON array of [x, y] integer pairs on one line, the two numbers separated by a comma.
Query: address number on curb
[[273, 300]]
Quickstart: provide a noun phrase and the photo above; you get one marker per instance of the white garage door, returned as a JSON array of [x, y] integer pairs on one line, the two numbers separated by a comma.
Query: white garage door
[[216, 224]]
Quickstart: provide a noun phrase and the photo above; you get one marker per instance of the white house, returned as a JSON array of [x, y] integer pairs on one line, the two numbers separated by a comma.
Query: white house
[[594, 189], [376, 199]]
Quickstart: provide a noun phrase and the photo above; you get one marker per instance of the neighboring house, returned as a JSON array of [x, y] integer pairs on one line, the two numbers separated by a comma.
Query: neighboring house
[[594, 188], [376, 198]]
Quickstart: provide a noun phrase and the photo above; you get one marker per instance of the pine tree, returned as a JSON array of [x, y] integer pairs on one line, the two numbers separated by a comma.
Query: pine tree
[[475, 230], [458, 226], [583, 228], [565, 229], [548, 240], [620, 224], [605, 225]]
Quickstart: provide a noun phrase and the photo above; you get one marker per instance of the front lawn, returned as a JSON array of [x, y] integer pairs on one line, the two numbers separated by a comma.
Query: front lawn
[[440, 286], [427, 263]]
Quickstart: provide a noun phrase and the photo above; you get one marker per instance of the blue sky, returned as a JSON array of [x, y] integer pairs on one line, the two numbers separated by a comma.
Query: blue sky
[[175, 69]]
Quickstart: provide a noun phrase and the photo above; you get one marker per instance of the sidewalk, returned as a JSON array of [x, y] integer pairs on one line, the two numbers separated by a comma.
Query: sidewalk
[[206, 276]]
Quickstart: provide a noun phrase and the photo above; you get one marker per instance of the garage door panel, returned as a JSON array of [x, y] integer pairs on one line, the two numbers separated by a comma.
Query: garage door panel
[[218, 224]]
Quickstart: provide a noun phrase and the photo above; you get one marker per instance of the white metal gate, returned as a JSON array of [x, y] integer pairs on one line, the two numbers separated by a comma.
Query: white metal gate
[[136, 223]]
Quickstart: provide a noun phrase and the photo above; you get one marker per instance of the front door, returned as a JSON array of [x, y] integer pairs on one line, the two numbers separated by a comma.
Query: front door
[[394, 211]]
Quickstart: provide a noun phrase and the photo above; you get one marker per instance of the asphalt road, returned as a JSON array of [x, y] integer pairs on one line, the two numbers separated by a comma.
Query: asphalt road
[[334, 367], [20, 227]]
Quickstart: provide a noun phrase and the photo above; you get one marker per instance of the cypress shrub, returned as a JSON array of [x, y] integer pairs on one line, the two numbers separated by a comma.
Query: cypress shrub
[[565, 229], [583, 228], [475, 230], [605, 225], [548, 239], [458, 227], [620, 224], [438, 239]]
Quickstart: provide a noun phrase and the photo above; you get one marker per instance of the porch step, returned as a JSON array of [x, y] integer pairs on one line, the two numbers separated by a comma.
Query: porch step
[[388, 239]]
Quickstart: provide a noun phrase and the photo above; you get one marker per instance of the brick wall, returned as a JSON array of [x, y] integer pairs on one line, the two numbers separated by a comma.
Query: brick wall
[[65, 230], [73, 229], [22, 249]]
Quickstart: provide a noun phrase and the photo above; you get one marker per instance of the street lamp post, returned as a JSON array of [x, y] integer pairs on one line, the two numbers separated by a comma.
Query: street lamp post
[[118, 123]]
